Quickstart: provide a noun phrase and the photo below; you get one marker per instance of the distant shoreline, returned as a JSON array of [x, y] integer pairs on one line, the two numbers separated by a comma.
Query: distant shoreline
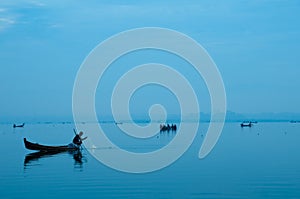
[[231, 117], [158, 122]]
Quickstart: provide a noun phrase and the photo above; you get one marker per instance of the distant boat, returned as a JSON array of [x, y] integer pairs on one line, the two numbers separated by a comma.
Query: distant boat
[[19, 126], [294, 121], [167, 127], [246, 124]]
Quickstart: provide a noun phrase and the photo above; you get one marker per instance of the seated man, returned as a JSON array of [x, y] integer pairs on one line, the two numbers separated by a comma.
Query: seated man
[[77, 140]]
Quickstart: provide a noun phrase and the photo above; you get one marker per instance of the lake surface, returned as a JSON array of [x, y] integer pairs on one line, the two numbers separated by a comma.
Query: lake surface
[[258, 162]]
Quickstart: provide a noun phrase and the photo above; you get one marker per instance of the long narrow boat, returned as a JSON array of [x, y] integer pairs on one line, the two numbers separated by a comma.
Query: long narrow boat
[[39, 147], [19, 126], [246, 124]]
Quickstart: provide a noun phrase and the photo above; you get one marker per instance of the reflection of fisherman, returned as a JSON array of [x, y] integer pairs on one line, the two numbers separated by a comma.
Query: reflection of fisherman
[[78, 157], [77, 140]]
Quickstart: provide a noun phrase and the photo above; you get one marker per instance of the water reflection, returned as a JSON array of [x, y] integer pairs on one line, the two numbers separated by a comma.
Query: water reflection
[[30, 158], [79, 159]]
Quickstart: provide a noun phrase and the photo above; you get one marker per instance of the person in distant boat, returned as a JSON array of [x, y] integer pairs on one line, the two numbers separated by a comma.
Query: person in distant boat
[[77, 140]]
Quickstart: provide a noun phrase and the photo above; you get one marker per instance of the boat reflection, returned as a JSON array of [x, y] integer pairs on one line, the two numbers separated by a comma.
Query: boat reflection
[[35, 156]]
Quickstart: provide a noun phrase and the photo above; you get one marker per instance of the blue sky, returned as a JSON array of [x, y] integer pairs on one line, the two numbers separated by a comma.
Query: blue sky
[[255, 45]]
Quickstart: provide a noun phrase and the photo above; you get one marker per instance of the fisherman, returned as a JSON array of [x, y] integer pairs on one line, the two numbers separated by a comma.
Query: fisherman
[[77, 140]]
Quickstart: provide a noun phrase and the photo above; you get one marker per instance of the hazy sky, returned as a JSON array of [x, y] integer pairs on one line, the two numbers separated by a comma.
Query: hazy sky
[[255, 45]]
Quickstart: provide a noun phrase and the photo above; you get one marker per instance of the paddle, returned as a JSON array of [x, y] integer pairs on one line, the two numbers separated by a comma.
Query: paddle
[[74, 131]]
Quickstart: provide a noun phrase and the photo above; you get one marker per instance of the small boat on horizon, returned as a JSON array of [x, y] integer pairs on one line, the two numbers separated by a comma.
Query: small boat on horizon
[[246, 124], [167, 127], [19, 126]]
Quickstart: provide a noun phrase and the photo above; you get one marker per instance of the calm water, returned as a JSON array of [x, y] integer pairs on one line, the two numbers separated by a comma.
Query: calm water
[[258, 162]]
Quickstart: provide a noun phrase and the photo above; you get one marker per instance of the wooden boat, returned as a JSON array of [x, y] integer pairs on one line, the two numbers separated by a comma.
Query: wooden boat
[[167, 127], [39, 147], [246, 124], [19, 126]]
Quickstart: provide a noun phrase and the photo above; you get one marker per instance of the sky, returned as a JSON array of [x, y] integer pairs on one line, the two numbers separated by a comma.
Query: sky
[[255, 45]]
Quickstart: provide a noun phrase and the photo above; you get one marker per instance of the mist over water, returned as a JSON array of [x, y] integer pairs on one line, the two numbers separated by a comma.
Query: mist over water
[[146, 52]]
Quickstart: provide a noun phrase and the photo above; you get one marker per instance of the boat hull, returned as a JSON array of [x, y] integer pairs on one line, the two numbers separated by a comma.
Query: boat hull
[[246, 125], [39, 147]]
